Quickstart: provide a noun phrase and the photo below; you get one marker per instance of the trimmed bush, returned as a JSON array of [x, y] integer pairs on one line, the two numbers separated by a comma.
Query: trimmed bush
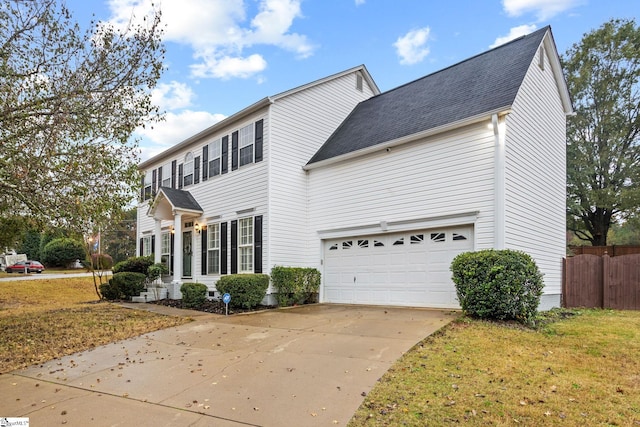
[[246, 290], [134, 264], [62, 252], [193, 294], [296, 285], [498, 284], [156, 270], [124, 285]]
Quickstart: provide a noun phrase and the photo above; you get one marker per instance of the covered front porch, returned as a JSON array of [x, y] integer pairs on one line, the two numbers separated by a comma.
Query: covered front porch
[[175, 213]]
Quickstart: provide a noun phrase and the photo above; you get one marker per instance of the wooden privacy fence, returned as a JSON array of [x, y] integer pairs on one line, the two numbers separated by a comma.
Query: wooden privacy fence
[[602, 282], [611, 250]]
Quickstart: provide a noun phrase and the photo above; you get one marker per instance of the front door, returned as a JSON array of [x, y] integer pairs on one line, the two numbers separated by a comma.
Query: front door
[[187, 254]]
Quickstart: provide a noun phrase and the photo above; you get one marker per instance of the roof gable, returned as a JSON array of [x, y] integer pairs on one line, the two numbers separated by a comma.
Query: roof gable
[[488, 82], [169, 200]]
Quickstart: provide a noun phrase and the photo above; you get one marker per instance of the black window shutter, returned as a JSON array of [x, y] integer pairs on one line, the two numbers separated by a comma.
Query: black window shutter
[[223, 248], [180, 175], [205, 162], [154, 181], [203, 244], [196, 170], [142, 189], [141, 246], [171, 255], [173, 173], [234, 151], [159, 177], [234, 247], [257, 244], [153, 244], [225, 154], [258, 143]]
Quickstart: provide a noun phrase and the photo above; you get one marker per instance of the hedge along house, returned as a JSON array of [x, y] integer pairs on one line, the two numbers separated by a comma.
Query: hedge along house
[[379, 191]]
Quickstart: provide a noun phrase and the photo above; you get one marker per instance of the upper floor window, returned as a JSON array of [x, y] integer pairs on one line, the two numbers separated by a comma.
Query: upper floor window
[[188, 169], [245, 144], [147, 185], [166, 175], [245, 245], [215, 154]]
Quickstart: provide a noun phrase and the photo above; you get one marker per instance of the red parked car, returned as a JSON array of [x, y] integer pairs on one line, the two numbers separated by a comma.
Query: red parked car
[[25, 266]]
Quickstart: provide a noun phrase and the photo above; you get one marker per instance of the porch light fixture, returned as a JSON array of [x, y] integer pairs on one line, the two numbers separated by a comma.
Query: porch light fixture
[[197, 227], [172, 230]]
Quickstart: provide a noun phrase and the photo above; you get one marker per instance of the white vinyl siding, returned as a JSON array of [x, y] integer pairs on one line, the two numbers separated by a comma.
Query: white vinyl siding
[[435, 177], [213, 249], [300, 124], [535, 175], [245, 245]]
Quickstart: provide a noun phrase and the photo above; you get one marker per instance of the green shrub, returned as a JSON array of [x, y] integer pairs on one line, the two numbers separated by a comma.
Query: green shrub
[[296, 285], [246, 290], [139, 264], [156, 270], [62, 252], [124, 285], [498, 284], [193, 294]]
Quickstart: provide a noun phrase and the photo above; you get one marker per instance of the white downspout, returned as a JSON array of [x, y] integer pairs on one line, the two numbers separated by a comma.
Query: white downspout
[[499, 179]]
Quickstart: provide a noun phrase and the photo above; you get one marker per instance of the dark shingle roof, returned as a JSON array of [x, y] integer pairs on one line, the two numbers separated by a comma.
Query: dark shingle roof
[[483, 83], [181, 199]]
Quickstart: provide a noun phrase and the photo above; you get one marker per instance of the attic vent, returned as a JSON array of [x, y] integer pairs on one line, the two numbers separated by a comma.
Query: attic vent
[[541, 58], [359, 81]]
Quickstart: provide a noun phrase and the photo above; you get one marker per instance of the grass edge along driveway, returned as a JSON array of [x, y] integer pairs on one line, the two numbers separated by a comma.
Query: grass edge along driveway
[[581, 370]]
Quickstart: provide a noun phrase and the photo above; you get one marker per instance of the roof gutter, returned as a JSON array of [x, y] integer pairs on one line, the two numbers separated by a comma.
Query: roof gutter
[[410, 138]]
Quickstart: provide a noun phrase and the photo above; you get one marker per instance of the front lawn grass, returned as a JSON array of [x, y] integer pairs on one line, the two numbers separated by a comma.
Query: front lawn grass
[[582, 370], [48, 318]]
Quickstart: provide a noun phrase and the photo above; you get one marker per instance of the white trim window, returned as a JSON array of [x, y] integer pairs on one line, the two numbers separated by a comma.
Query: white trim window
[[245, 144], [188, 169], [165, 250], [245, 245], [166, 175], [213, 248], [147, 184], [146, 246], [215, 156]]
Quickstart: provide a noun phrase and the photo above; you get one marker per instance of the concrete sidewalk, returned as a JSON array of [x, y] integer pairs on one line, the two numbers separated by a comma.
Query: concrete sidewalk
[[305, 366]]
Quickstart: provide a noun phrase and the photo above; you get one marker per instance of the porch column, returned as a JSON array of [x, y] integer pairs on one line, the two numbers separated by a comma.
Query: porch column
[[157, 232], [177, 247]]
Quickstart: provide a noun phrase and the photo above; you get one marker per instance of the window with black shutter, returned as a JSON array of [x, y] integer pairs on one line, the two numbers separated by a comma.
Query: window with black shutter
[[196, 170], [173, 173], [225, 154], [234, 247], [180, 174], [205, 163], [234, 150], [223, 248], [257, 244]]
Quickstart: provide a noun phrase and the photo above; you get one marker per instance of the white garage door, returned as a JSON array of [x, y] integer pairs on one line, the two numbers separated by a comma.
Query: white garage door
[[409, 268]]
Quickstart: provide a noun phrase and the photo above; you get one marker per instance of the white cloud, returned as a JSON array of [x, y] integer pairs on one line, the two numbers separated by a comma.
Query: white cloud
[[174, 129], [514, 33], [359, 2], [227, 67], [543, 9], [412, 47], [172, 96], [219, 31]]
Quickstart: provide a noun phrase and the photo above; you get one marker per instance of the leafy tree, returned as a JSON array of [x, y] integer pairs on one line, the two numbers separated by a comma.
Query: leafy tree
[[119, 236], [30, 244], [603, 150], [70, 99], [11, 228]]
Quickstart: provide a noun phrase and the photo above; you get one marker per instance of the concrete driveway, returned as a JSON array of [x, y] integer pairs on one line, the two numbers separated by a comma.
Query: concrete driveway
[[305, 366]]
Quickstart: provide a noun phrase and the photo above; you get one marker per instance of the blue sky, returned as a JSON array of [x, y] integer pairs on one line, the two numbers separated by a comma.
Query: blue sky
[[223, 55]]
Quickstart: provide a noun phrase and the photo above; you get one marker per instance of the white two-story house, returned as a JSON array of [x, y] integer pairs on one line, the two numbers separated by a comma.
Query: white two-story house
[[379, 191]]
